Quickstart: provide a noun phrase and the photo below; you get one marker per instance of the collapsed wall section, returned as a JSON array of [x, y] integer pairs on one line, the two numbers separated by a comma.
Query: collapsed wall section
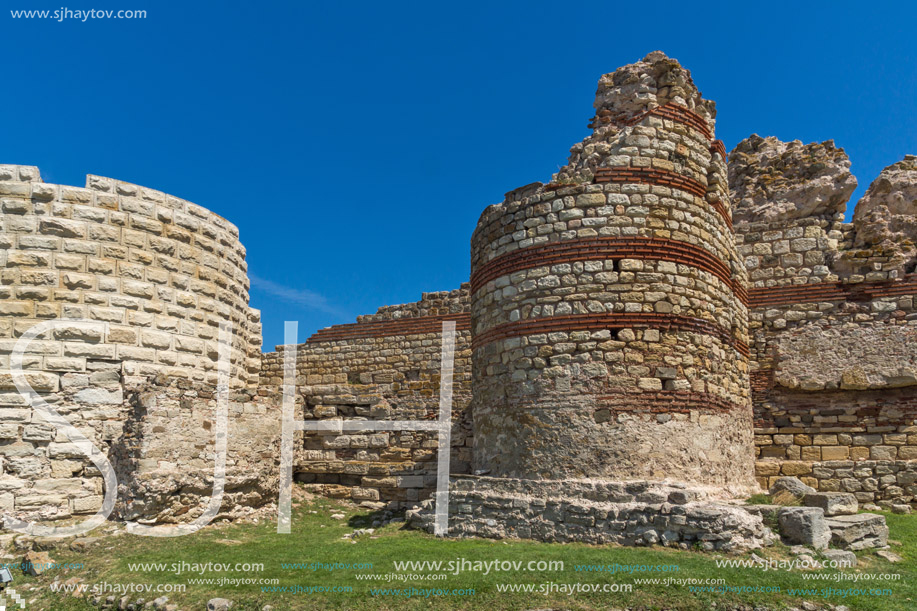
[[607, 308], [832, 317], [386, 366]]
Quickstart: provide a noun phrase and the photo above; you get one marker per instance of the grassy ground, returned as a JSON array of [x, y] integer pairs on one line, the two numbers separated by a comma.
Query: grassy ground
[[317, 538]]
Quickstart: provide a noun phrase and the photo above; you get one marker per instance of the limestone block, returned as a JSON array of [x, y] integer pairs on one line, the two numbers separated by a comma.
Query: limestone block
[[857, 532], [833, 503], [804, 526], [787, 490]]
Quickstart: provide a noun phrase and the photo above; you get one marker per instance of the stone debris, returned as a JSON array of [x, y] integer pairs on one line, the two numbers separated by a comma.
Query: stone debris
[[842, 558], [789, 491], [857, 532], [805, 526], [833, 503], [889, 556], [84, 544], [36, 563]]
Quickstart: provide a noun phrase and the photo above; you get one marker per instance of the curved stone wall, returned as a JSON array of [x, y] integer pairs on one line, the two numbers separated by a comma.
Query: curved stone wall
[[609, 322], [161, 273]]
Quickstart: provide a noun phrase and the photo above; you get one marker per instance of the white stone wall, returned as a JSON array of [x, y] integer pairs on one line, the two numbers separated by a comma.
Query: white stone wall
[[161, 272]]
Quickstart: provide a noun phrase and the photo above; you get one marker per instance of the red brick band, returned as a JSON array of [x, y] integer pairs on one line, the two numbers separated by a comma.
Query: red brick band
[[717, 205], [601, 249], [830, 291], [387, 328], [599, 322], [680, 114], [660, 178], [647, 176], [758, 297], [666, 402], [718, 147], [671, 111]]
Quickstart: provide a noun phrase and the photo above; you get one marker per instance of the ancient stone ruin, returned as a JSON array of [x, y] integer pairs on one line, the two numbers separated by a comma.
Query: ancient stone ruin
[[645, 340]]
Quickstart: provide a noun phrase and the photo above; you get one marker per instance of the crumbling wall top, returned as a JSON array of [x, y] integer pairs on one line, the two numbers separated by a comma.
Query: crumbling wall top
[[771, 180]]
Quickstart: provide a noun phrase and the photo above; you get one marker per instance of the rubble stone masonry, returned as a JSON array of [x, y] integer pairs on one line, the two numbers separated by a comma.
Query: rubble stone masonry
[[386, 366], [832, 317], [607, 307], [155, 275]]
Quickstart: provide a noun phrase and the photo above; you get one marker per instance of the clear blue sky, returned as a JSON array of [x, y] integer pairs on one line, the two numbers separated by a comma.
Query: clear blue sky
[[355, 144]]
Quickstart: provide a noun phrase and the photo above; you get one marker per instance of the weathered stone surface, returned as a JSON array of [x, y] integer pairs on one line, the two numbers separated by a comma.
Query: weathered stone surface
[[654, 81], [772, 180], [847, 356], [35, 563], [833, 503], [789, 490], [592, 511], [886, 217], [219, 604], [860, 531], [840, 558], [805, 526]]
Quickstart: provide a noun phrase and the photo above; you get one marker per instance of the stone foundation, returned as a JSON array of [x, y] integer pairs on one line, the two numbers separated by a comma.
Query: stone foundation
[[596, 511]]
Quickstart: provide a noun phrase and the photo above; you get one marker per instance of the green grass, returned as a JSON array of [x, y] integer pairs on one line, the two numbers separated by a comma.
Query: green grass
[[316, 537], [759, 499]]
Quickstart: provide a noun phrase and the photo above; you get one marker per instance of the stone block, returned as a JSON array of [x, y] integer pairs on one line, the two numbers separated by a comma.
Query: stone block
[[87, 504], [35, 563], [883, 452], [839, 559], [810, 453], [835, 452], [804, 526], [860, 531], [796, 468], [789, 490], [833, 503]]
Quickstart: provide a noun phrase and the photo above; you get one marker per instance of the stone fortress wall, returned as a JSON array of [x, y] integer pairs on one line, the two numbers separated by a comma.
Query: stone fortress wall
[[155, 276], [607, 313], [638, 318], [386, 366], [832, 317], [830, 304]]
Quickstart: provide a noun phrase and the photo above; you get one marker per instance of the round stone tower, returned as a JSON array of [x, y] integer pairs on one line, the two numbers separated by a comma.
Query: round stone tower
[[609, 317]]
